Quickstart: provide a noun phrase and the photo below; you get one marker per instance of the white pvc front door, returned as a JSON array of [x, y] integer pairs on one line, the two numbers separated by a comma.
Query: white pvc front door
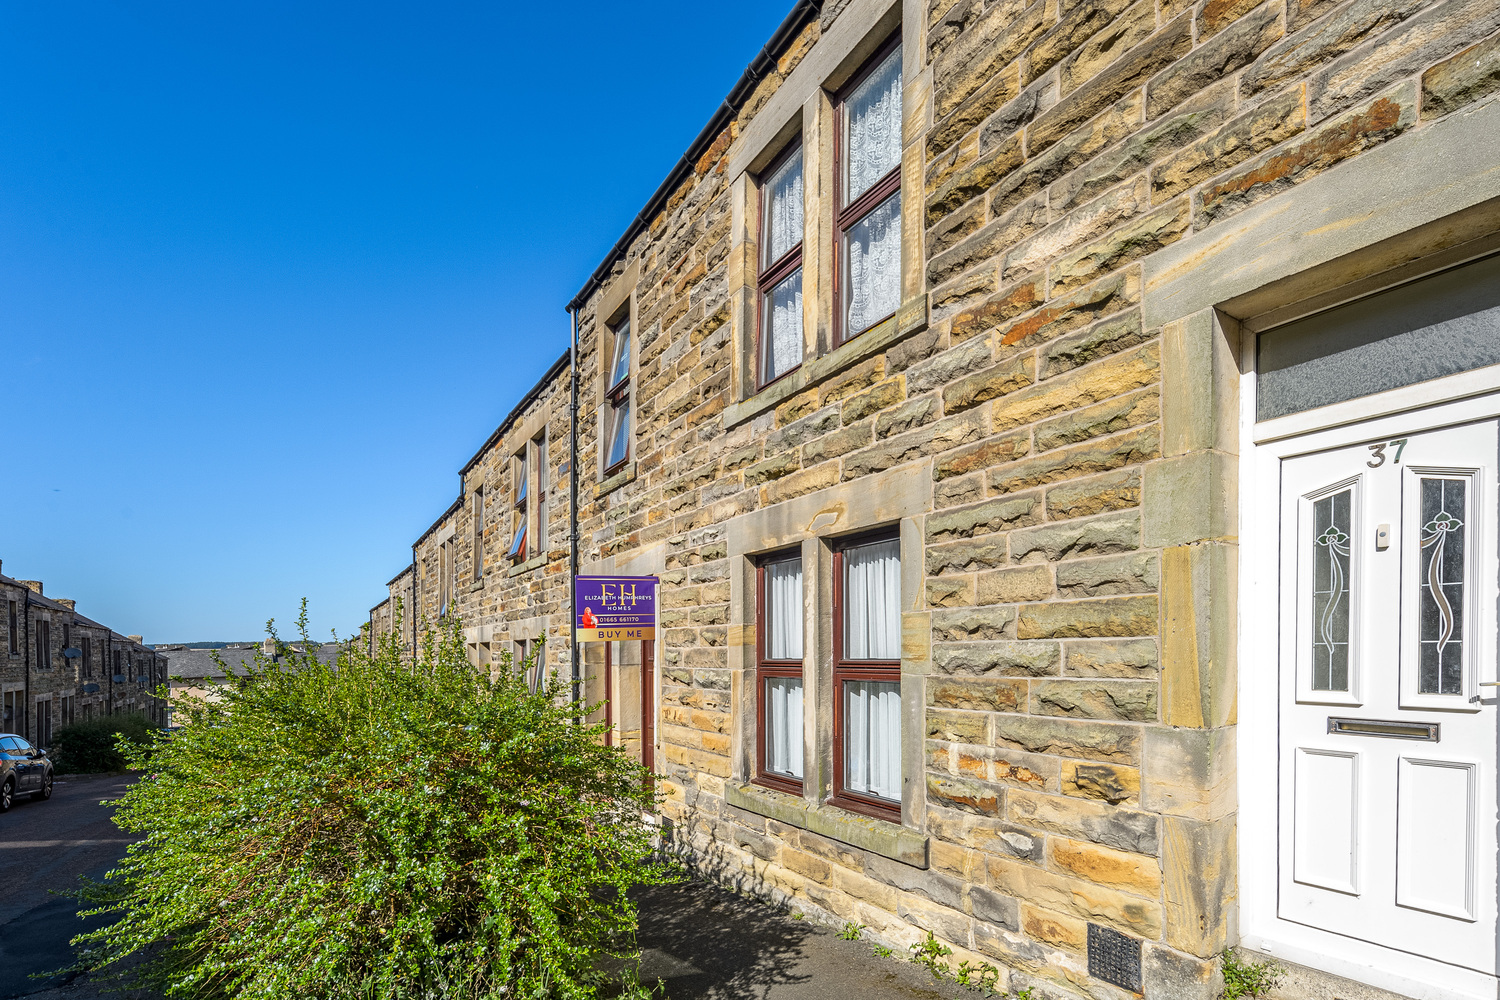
[[1388, 589]]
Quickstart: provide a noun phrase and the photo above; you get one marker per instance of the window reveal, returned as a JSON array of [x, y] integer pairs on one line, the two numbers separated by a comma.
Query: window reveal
[[868, 223]]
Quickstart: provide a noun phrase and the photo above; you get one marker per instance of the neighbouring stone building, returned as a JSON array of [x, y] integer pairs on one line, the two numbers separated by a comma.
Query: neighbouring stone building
[[60, 667], [1066, 437]]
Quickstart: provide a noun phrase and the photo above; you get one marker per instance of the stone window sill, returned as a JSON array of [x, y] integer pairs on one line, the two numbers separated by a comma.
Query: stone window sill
[[889, 840], [911, 317], [614, 482], [476, 585], [527, 566]]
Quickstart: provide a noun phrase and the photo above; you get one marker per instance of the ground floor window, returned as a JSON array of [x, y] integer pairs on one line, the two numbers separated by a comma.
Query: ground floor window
[[43, 732], [778, 670], [867, 675]]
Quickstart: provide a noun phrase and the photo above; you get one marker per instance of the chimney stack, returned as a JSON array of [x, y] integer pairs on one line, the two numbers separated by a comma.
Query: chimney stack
[[135, 639], [67, 602], [35, 586]]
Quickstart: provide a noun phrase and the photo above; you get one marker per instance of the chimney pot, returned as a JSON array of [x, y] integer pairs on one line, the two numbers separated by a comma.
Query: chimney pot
[[35, 586]]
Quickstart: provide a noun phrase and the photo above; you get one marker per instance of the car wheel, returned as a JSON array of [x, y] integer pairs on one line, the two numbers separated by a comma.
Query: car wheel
[[7, 794], [45, 792]]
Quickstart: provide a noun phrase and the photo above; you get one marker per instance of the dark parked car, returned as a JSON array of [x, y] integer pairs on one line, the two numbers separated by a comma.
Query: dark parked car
[[24, 770]]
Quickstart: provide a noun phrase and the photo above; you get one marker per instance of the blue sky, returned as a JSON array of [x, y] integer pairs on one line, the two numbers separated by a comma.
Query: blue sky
[[271, 272]]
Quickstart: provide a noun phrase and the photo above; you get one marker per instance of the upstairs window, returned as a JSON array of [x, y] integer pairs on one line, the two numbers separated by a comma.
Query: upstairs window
[[543, 471], [88, 656], [479, 533], [617, 422], [43, 644], [14, 649], [868, 222], [517, 548], [780, 282]]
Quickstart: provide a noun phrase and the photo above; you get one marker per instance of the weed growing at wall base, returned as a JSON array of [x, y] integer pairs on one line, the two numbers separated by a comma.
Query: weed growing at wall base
[[380, 828]]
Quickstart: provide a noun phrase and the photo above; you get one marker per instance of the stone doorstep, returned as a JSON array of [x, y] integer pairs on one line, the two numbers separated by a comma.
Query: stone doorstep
[[888, 840], [1301, 983]]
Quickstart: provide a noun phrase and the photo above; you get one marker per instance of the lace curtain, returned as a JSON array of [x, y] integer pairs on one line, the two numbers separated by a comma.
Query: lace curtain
[[783, 224], [784, 610], [783, 327], [872, 128], [872, 601], [784, 725], [874, 261], [872, 738]]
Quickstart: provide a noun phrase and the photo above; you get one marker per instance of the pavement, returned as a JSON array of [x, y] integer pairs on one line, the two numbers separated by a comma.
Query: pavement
[[700, 942], [44, 847]]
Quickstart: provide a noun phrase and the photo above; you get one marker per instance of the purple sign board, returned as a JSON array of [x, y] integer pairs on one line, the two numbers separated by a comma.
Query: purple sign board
[[610, 608]]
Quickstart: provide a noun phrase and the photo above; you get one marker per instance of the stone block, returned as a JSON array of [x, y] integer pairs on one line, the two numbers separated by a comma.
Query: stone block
[[1191, 498], [1324, 42], [1123, 32], [1112, 783], [983, 519], [1128, 701], [1063, 313], [974, 180], [1082, 899], [1099, 420], [989, 244], [878, 397], [994, 908], [1011, 301], [1123, 245], [1000, 658], [992, 383], [1189, 772], [1255, 131], [1216, 58], [1104, 741], [1013, 949], [1001, 89], [773, 468], [986, 835], [1010, 586], [1198, 639], [1201, 889], [1102, 455], [1319, 150], [1082, 819], [908, 416], [947, 924], [1170, 975], [1135, 873], [1081, 22], [997, 449], [1132, 573], [933, 886], [966, 556], [1108, 533], [996, 38], [1110, 379], [1121, 76], [1056, 929], [1111, 658], [980, 695], [861, 887], [1101, 617], [973, 624], [1077, 227], [1461, 79], [958, 727], [949, 366], [965, 794], [840, 442], [950, 591], [1200, 386], [1095, 495]]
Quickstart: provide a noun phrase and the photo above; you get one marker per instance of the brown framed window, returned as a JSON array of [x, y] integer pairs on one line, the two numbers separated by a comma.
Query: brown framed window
[[43, 645], [479, 533], [517, 548], [539, 541], [867, 676], [867, 222], [778, 672], [780, 347], [617, 420]]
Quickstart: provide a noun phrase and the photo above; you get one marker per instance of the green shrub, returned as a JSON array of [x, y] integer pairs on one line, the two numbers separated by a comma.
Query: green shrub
[[378, 828], [1248, 979], [93, 746]]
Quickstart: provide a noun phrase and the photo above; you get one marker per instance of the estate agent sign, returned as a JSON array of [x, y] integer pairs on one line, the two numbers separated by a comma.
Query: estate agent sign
[[615, 607]]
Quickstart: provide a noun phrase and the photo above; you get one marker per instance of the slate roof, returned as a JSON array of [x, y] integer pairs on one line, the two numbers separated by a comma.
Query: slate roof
[[198, 664]]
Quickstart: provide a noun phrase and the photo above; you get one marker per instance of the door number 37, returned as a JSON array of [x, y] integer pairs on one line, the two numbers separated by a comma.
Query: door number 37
[[1377, 452]]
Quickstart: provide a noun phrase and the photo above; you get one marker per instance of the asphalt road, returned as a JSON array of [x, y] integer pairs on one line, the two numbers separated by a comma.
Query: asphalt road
[[44, 848]]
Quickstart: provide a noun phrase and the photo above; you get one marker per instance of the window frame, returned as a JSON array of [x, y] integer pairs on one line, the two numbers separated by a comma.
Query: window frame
[[846, 217], [772, 273], [766, 668], [15, 645], [478, 519], [857, 670], [617, 395], [536, 542], [520, 506], [44, 644]]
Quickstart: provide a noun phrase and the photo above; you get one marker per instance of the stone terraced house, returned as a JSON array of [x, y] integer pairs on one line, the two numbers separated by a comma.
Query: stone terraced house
[[58, 666], [1065, 433]]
